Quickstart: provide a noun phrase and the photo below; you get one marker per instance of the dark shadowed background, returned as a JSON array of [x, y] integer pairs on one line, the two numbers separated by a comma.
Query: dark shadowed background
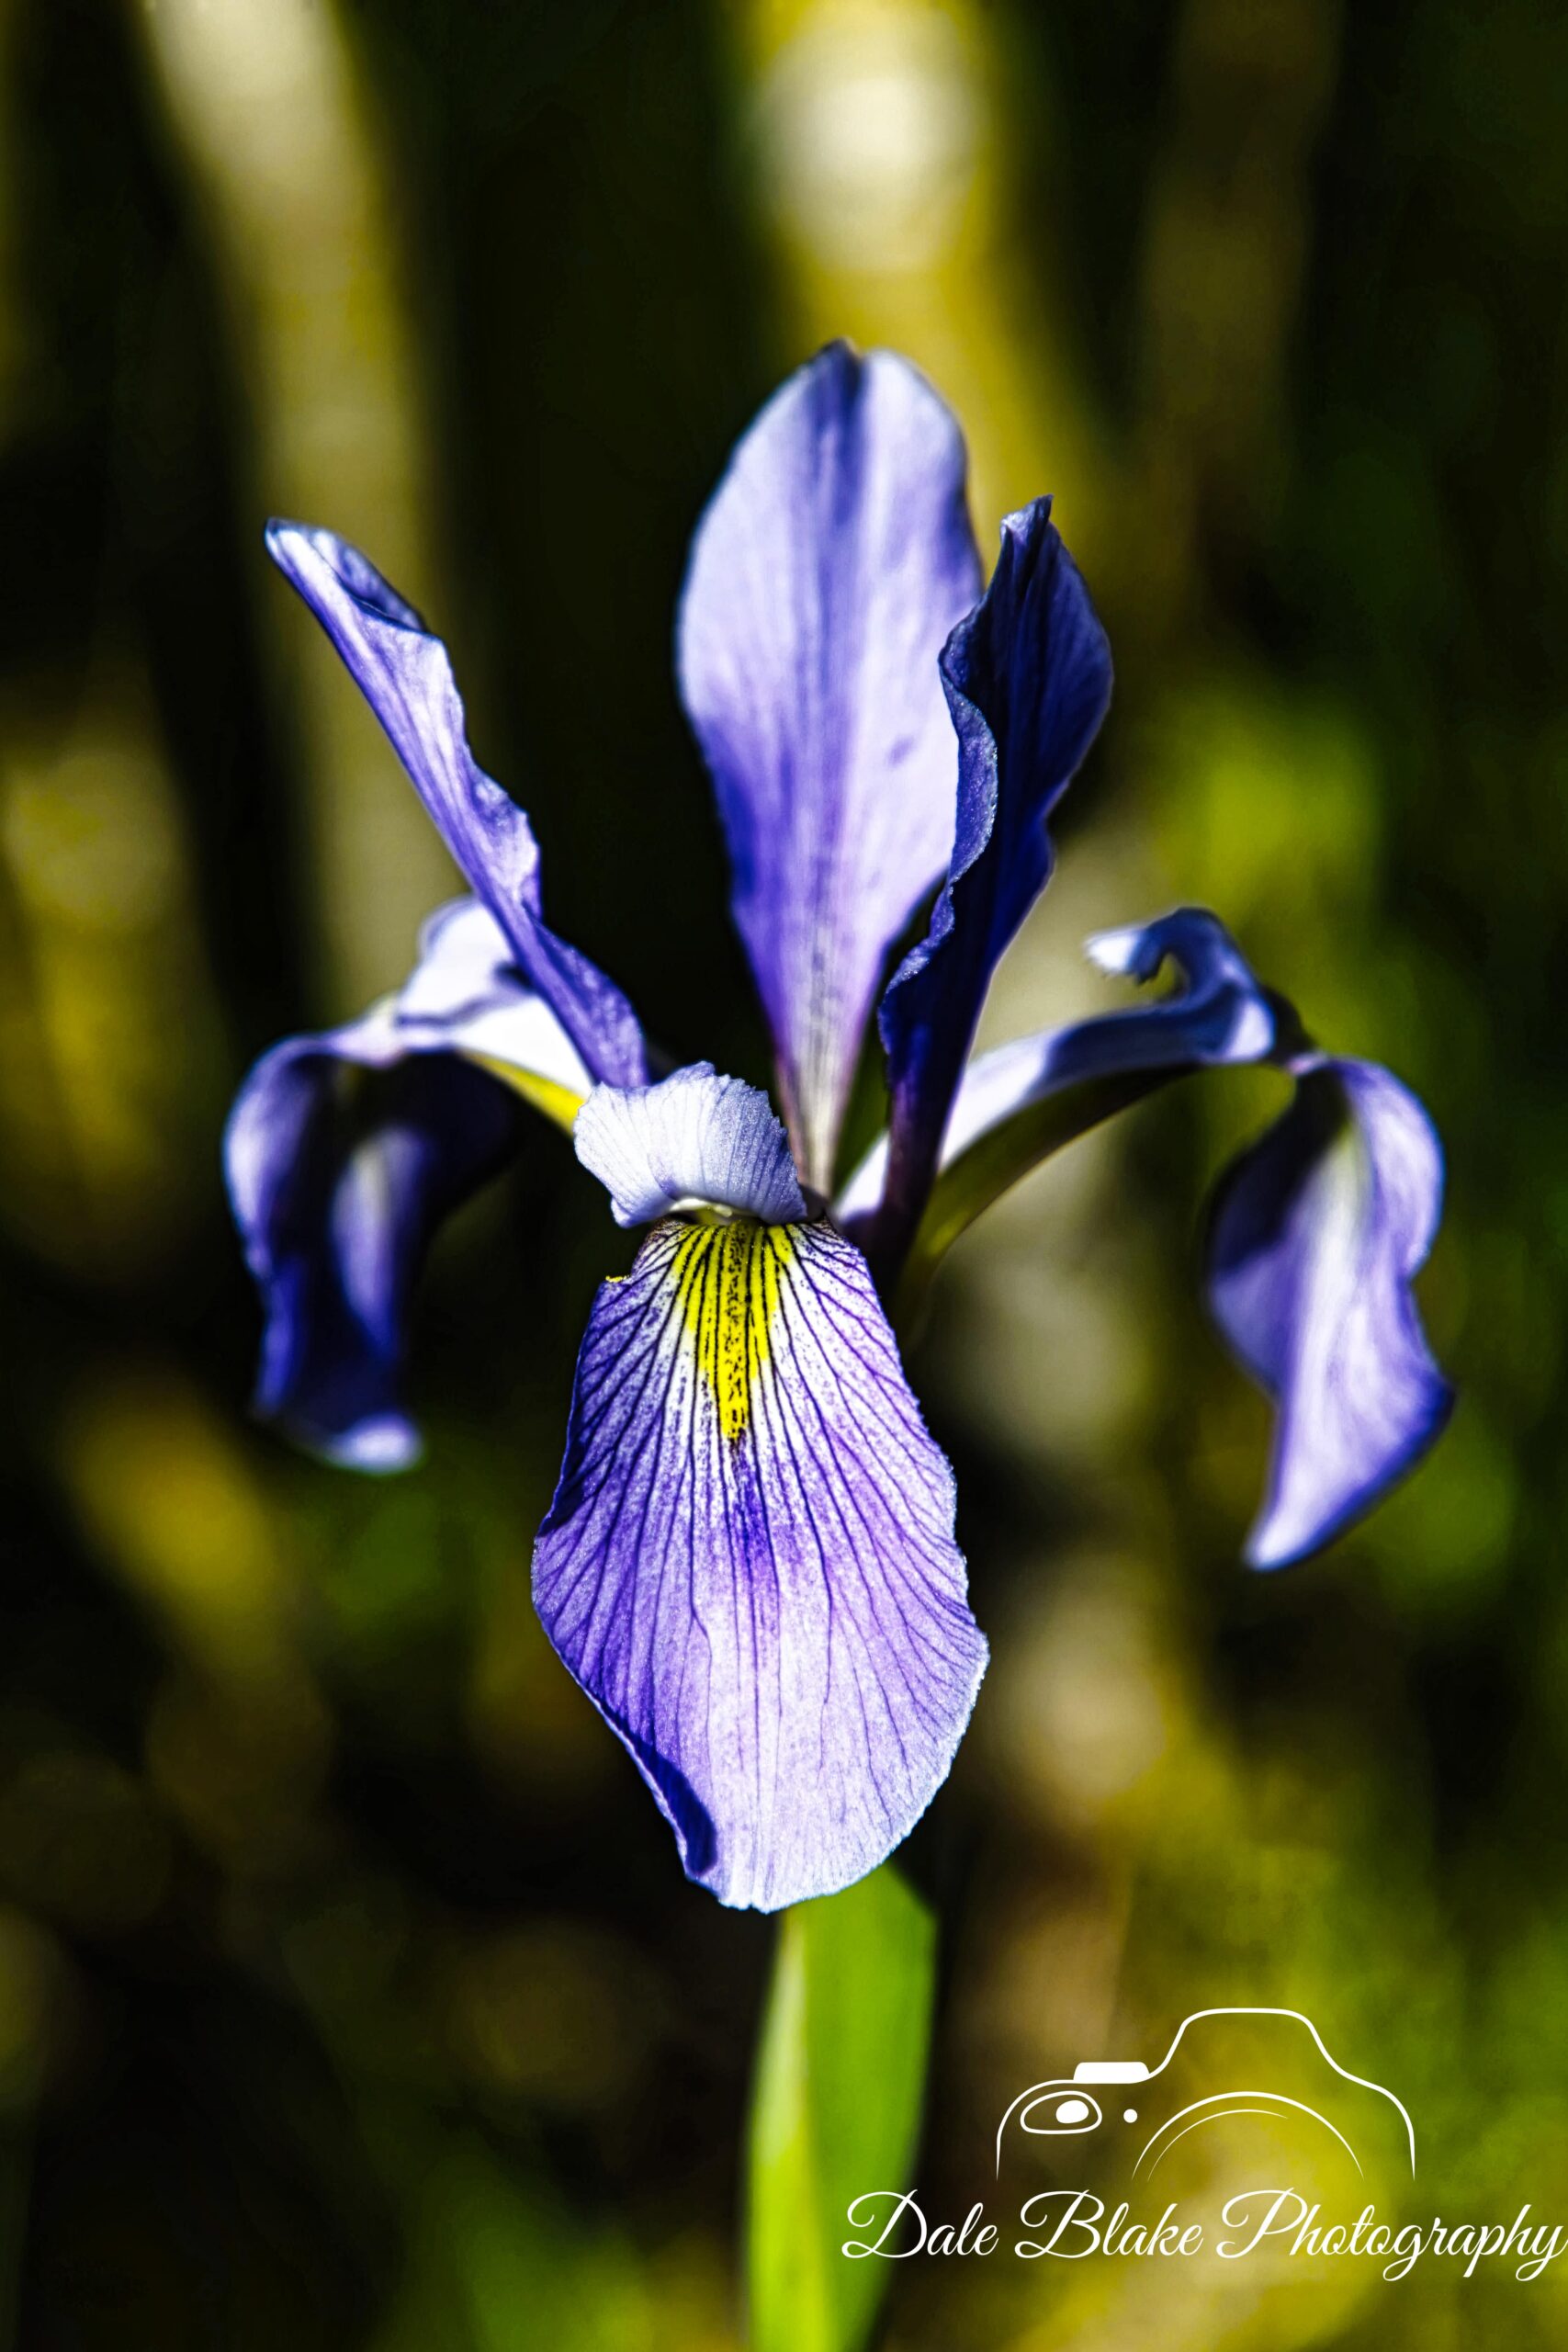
[[350, 1995]]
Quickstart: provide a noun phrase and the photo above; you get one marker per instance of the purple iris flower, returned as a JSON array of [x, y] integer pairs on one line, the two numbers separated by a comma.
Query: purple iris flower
[[749, 1564]]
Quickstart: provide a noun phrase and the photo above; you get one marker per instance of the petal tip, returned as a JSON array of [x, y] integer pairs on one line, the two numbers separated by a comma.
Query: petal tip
[[378, 1447], [303, 551], [1282, 1537]]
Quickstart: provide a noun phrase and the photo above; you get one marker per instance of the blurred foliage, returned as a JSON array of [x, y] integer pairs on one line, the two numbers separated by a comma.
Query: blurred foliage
[[349, 1992]]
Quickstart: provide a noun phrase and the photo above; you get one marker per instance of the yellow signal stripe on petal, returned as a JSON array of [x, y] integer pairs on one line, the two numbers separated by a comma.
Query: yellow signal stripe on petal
[[558, 1103], [726, 1279]]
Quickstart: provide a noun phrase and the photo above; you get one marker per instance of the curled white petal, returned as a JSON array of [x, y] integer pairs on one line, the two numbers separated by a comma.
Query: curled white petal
[[693, 1140]]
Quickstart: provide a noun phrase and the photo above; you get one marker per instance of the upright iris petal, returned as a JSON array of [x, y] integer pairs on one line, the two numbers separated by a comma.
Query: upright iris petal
[[406, 676], [344, 1153], [1316, 1236], [834, 560], [1028, 679]]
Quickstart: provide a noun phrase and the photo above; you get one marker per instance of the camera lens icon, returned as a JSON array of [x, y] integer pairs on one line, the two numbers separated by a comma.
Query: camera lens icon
[[1164, 2114], [1066, 2115], [1064, 2109]]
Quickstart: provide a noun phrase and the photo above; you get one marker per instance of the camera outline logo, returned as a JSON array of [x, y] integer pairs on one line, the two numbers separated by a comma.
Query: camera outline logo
[[1074, 2109]]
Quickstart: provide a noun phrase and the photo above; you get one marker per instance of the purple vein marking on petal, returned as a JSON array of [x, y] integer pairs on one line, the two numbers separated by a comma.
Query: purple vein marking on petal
[[746, 1471]]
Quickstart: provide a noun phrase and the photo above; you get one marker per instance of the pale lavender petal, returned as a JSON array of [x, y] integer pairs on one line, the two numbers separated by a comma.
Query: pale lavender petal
[[1318, 1233], [344, 1153], [406, 676], [695, 1139], [1028, 679], [749, 1564], [466, 995], [825, 576]]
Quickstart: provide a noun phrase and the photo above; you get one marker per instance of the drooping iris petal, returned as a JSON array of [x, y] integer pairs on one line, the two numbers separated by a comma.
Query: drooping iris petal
[[749, 1564], [345, 1151], [1316, 1235], [694, 1138], [834, 560], [1028, 679], [405, 675], [339, 1183], [1024, 1100]]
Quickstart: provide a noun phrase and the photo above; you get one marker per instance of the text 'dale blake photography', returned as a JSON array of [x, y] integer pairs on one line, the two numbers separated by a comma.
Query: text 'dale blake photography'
[[783, 817]]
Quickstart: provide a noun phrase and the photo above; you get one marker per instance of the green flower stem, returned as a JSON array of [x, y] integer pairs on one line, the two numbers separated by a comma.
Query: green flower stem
[[835, 2106]]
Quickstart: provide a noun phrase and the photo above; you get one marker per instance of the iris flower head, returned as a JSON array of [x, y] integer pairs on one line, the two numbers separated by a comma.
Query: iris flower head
[[749, 1564]]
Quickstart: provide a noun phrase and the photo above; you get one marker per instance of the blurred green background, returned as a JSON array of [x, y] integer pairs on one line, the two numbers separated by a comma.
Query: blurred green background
[[350, 1996]]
